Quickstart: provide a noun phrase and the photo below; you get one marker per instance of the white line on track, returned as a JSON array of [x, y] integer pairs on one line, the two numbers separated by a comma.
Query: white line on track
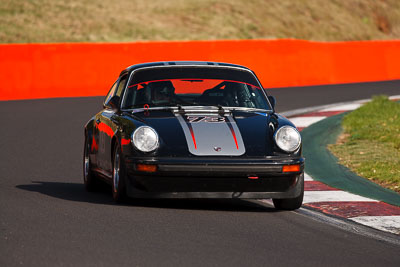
[[333, 196], [384, 223], [394, 97], [307, 177], [346, 107], [306, 121]]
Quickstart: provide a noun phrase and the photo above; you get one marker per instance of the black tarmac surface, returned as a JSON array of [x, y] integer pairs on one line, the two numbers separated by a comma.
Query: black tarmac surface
[[47, 218]]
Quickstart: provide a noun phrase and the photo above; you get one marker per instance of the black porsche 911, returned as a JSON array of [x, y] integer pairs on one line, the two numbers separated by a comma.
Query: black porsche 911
[[193, 130]]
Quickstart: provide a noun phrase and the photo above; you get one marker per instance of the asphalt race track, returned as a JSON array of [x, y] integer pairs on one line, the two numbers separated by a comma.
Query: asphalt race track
[[47, 218]]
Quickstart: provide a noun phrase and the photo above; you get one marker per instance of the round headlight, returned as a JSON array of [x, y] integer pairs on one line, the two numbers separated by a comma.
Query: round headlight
[[145, 139], [287, 138]]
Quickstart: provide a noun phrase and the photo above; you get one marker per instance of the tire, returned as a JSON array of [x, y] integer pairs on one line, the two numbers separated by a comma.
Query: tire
[[89, 178], [290, 203], [118, 177]]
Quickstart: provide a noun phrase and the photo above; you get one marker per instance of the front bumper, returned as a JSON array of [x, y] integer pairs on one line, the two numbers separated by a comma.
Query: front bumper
[[214, 178]]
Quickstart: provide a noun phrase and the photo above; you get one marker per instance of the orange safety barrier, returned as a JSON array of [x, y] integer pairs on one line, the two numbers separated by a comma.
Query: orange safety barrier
[[30, 71]]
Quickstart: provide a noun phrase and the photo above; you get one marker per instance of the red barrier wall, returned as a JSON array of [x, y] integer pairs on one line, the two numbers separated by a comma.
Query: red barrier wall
[[89, 69]]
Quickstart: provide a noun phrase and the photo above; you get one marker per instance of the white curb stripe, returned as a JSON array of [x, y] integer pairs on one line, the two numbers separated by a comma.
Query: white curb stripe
[[333, 196], [306, 121], [344, 107], [385, 223], [307, 177], [394, 97]]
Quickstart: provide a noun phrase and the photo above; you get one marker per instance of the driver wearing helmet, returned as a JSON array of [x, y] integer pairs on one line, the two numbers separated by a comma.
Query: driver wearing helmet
[[162, 92]]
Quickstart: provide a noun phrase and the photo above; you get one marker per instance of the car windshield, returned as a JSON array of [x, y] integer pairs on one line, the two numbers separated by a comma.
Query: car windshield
[[194, 92]]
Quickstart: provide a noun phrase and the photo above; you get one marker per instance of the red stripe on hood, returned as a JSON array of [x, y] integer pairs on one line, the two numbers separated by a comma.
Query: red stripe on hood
[[192, 133], [233, 134]]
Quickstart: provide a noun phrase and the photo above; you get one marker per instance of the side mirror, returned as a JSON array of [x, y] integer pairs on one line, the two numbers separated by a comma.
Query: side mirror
[[272, 100], [114, 102]]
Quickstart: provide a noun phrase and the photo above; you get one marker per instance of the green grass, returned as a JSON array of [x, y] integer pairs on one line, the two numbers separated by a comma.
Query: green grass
[[370, 144], [33, 21]]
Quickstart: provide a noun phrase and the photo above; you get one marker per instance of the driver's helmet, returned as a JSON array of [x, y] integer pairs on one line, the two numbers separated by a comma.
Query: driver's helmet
[[163, 90]]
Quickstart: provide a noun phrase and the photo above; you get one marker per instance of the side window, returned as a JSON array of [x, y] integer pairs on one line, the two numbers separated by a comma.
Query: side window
[[110, 93], [121, 85]]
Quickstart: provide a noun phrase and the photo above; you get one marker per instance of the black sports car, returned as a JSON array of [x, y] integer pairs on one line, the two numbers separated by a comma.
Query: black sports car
[[193, 130]]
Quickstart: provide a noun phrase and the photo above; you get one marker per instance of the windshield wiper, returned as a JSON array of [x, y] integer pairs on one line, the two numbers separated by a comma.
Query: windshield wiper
[[134, 110]]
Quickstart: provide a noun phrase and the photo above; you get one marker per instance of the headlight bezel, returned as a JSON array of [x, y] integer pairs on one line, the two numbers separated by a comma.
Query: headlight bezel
[[277, 142], [138, 131]]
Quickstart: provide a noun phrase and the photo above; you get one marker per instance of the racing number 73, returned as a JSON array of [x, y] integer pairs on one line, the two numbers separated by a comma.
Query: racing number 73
[[208, 119]]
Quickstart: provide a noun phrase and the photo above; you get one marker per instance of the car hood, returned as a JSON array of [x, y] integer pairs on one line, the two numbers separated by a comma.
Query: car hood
[[207, 133]]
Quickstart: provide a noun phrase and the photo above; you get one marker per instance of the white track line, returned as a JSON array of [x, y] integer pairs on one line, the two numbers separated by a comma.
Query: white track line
[[394, 97], [307, 177], [384, 223], [333, 196], [346, 107], [306, 121]]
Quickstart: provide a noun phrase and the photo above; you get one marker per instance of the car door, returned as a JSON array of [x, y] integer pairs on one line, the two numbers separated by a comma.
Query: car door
[[108, 126]]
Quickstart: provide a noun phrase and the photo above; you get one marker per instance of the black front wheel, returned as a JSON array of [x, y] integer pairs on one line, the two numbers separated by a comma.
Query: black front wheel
[[290, 203], [118, 181]]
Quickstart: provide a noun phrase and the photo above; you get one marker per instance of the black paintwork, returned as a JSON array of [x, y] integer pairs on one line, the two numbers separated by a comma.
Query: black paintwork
[[113, 126]]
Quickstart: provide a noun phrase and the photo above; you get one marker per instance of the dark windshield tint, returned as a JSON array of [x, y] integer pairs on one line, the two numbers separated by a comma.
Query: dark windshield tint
[[241, 90], [194, 92]]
